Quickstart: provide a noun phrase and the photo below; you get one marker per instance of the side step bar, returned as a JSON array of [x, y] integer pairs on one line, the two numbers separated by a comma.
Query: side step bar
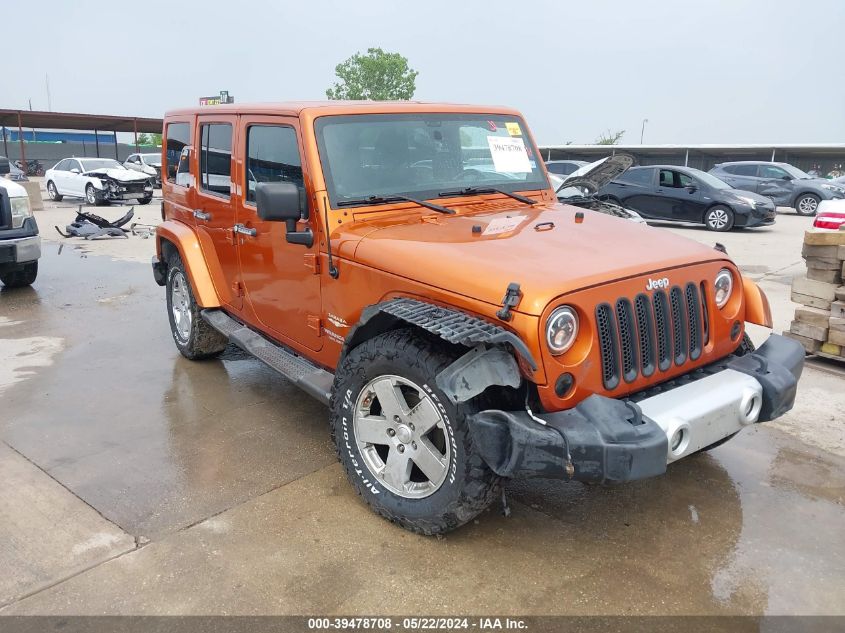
[[315, 381]]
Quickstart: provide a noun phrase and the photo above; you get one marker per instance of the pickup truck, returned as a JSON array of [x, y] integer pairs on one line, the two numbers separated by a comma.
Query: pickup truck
[[20, 245]]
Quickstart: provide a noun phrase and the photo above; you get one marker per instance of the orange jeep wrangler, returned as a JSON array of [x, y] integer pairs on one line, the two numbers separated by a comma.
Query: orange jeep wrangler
[[409, 265]]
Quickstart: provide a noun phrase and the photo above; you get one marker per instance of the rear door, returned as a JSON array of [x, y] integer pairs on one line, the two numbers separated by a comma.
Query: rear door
[[177, 183], [740, 176], [214, 210], [281, 280], [60, 176], [634, 189]]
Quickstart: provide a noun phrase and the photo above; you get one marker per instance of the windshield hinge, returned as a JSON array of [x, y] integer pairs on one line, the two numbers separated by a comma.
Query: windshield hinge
[[512, 297]]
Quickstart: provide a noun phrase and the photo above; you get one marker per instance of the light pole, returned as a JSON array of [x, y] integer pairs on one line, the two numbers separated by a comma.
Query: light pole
[[642, 131]]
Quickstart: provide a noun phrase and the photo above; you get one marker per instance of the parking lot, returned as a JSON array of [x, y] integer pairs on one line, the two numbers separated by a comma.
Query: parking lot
[[138, 482]]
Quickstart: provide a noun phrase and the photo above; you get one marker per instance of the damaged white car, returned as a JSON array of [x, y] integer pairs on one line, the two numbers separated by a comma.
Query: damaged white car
[[98, 180]]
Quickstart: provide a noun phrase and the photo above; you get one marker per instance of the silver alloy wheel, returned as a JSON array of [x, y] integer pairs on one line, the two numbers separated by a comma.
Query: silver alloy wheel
[[51, 190], [718, 218], [180, 305], [402, 437], [808, 205], [90, 195]]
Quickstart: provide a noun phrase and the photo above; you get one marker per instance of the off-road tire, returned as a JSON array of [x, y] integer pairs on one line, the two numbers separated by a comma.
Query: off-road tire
[[719, 218], [745, 347], [470, 486], [146, 200], [23, 276], [202, 341], [91, 196], [52, 192], [807, 199]]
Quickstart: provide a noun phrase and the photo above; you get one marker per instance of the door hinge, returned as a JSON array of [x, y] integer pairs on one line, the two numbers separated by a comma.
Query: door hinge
[[315, 324], [237, 289], [312, 262]]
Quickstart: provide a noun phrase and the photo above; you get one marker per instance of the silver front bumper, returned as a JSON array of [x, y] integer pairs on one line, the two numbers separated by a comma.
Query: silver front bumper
[[27, 249], [696, 415]]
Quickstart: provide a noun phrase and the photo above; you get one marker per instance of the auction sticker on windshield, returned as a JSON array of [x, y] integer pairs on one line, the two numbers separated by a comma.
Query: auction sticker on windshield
[[509, 155], [513, 128]]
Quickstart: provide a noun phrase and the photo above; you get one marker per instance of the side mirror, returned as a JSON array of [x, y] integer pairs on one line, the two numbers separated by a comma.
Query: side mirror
[[786, 177], [75, 171], [280, 202], [691, 188], [4, 165]]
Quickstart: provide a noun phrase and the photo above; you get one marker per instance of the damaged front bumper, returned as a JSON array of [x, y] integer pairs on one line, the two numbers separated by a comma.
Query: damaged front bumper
[[604, 440]]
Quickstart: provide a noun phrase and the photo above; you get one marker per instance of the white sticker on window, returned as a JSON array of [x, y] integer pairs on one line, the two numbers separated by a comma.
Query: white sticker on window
[[509, 155], [503, 225]]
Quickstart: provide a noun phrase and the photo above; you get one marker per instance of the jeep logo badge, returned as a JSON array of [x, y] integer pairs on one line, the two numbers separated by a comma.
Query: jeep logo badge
[[654, 284]]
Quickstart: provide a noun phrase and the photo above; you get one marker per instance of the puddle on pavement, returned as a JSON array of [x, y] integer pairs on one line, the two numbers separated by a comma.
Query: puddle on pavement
[[155, 443]]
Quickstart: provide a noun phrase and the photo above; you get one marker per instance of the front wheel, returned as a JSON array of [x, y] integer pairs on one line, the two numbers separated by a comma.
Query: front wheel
[[719, 218], [406, 448], [21, 277], [194, 338], [807, 204], [91, 196]]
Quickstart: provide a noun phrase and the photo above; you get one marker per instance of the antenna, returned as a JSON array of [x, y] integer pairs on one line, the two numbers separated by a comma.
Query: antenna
[[333, 271]]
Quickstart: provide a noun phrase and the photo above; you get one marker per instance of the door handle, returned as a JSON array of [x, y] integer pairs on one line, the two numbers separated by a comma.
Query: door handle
[[202, 215], [240, 228]]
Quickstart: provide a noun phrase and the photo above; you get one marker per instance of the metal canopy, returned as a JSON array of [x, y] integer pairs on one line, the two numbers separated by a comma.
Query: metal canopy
[[74, 121]]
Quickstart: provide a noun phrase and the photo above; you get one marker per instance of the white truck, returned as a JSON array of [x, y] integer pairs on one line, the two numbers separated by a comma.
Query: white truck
[[20, 244]]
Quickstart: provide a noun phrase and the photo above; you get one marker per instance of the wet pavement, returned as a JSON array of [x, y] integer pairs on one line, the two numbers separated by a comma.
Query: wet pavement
[[173, 487]]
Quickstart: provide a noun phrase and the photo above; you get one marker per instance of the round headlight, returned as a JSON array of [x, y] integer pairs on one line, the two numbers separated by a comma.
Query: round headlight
[[723, 285], [561, 330]]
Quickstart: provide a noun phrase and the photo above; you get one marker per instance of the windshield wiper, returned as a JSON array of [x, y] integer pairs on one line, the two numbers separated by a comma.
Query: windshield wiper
[[475, 191], [395, 198]]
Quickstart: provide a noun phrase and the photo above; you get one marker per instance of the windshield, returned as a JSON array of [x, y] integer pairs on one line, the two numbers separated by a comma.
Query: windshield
[[423, 155], [710, 179], [152, 159], [90, 164]]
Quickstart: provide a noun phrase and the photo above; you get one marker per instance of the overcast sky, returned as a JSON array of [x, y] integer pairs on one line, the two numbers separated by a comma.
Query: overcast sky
[[725, 71]]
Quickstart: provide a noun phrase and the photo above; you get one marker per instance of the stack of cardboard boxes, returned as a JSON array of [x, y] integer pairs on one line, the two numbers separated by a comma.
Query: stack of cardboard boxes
[[820, 324]]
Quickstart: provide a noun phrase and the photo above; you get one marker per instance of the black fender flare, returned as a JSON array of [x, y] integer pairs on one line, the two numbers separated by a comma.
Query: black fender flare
[[486, 363]]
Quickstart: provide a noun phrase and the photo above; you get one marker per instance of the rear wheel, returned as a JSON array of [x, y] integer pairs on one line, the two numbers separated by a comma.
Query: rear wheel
[[406, 448], [20, 277], [719, 218], [52, 192], [807, 204], [194, 338]]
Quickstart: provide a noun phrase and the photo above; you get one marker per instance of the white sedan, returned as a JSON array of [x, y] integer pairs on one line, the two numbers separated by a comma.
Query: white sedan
[[98, 180]]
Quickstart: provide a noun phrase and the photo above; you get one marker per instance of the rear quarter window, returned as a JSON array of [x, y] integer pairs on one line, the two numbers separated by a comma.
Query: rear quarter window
[[637, 176]]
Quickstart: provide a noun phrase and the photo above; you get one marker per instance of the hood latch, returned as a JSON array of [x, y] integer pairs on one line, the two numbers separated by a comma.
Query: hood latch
[[512, 297]]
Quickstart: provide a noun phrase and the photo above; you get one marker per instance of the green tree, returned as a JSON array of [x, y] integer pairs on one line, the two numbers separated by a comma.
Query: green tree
[[142, 139], [378, 76], [610, 138]]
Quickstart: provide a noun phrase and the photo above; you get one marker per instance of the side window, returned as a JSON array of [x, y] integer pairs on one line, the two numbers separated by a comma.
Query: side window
[[637, 176], [178, 137], [216, 158], [667, 178], [742, 170], [62, 165], [686, 181], [74, 164], [770, 171], [272, 156], [556, 168]]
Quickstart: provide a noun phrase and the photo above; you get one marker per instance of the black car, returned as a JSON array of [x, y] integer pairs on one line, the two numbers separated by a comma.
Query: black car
[[683, 194]]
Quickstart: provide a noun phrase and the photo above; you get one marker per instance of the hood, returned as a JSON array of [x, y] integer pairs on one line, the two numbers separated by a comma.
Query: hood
[[594, 176], [513, 246], [123, 175], [12, 188], [759, 199]]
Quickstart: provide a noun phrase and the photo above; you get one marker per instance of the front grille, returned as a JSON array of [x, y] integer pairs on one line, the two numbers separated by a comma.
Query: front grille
[[652, 333]]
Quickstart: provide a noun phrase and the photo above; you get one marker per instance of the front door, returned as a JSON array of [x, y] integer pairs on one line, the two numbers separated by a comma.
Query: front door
[[776, 184], [215, 210], [281, 280]]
